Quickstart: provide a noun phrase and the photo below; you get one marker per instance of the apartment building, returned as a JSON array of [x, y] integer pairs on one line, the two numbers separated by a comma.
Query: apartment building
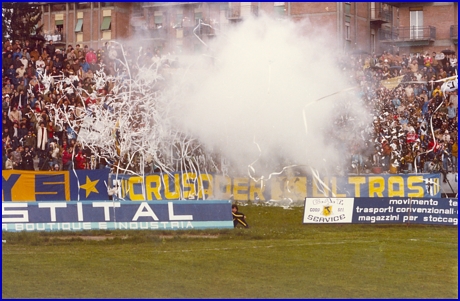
[[170, 26], [420, 27], [371, 27], [88, 23]]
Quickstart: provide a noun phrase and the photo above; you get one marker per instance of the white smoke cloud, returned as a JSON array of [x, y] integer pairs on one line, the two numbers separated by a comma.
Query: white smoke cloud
[[264, 75]]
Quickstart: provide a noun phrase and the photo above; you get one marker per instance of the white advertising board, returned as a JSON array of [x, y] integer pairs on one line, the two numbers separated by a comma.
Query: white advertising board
[[328, 210]]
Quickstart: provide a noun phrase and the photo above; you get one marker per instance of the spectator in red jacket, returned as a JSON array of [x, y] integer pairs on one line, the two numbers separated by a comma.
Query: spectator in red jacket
[[67, 159], [411, 136], [80, 160], [91, 58]]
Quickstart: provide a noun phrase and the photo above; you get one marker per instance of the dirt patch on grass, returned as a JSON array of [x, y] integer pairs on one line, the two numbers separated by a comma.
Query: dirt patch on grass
[[84, 237], [189, 236]]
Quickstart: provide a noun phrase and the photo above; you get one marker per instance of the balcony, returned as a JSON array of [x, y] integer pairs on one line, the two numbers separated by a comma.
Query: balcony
[[454, 33], [380, 15], [200, 31], [209, 31], [57, 38], [164, 4], [408, 36], [239, 12], [409, 4]]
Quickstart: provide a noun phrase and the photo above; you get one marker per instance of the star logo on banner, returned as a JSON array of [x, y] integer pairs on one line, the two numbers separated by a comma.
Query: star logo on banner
[[90, 186]]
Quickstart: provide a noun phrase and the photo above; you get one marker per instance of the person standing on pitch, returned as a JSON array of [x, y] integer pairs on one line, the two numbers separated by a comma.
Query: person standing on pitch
[[238, 217]]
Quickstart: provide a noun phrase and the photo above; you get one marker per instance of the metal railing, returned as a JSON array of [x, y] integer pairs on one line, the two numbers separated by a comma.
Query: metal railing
[[408, 33], [201, 30], [379, 13], [454, 32], [206, 30], [387, 35], [236, 12]]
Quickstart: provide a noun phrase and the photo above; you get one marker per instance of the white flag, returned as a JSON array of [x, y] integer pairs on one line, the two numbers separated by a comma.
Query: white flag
[[449, 86]]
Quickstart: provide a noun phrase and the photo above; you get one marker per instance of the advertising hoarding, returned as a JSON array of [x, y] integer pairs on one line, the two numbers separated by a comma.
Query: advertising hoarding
[[434, 211], [94, 215]]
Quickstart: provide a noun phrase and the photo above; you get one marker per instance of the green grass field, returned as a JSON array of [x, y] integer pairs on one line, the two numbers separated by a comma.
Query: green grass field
[[278, 257]]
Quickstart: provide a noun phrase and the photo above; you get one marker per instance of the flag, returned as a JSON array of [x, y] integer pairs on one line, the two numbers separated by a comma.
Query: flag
[[392, 82], [446, 79], [450, 85], [89, 184]]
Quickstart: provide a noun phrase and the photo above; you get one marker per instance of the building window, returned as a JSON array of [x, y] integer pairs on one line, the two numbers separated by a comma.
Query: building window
[[347, 32], [71, 6], [347, 45], [347, 8], [179, 33], [372, 42], [106, 35], [59, 29], [46, 8], [157, 19], [79, 26], [416, 24], [59, 26], [106, 23], [106, 4], [198, 17], [79, 36], [179, 18], [279, 9]]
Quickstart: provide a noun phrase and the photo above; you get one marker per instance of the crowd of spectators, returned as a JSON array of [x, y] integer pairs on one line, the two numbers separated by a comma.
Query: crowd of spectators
[[415, 122], [414, 128], [32, 113]]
